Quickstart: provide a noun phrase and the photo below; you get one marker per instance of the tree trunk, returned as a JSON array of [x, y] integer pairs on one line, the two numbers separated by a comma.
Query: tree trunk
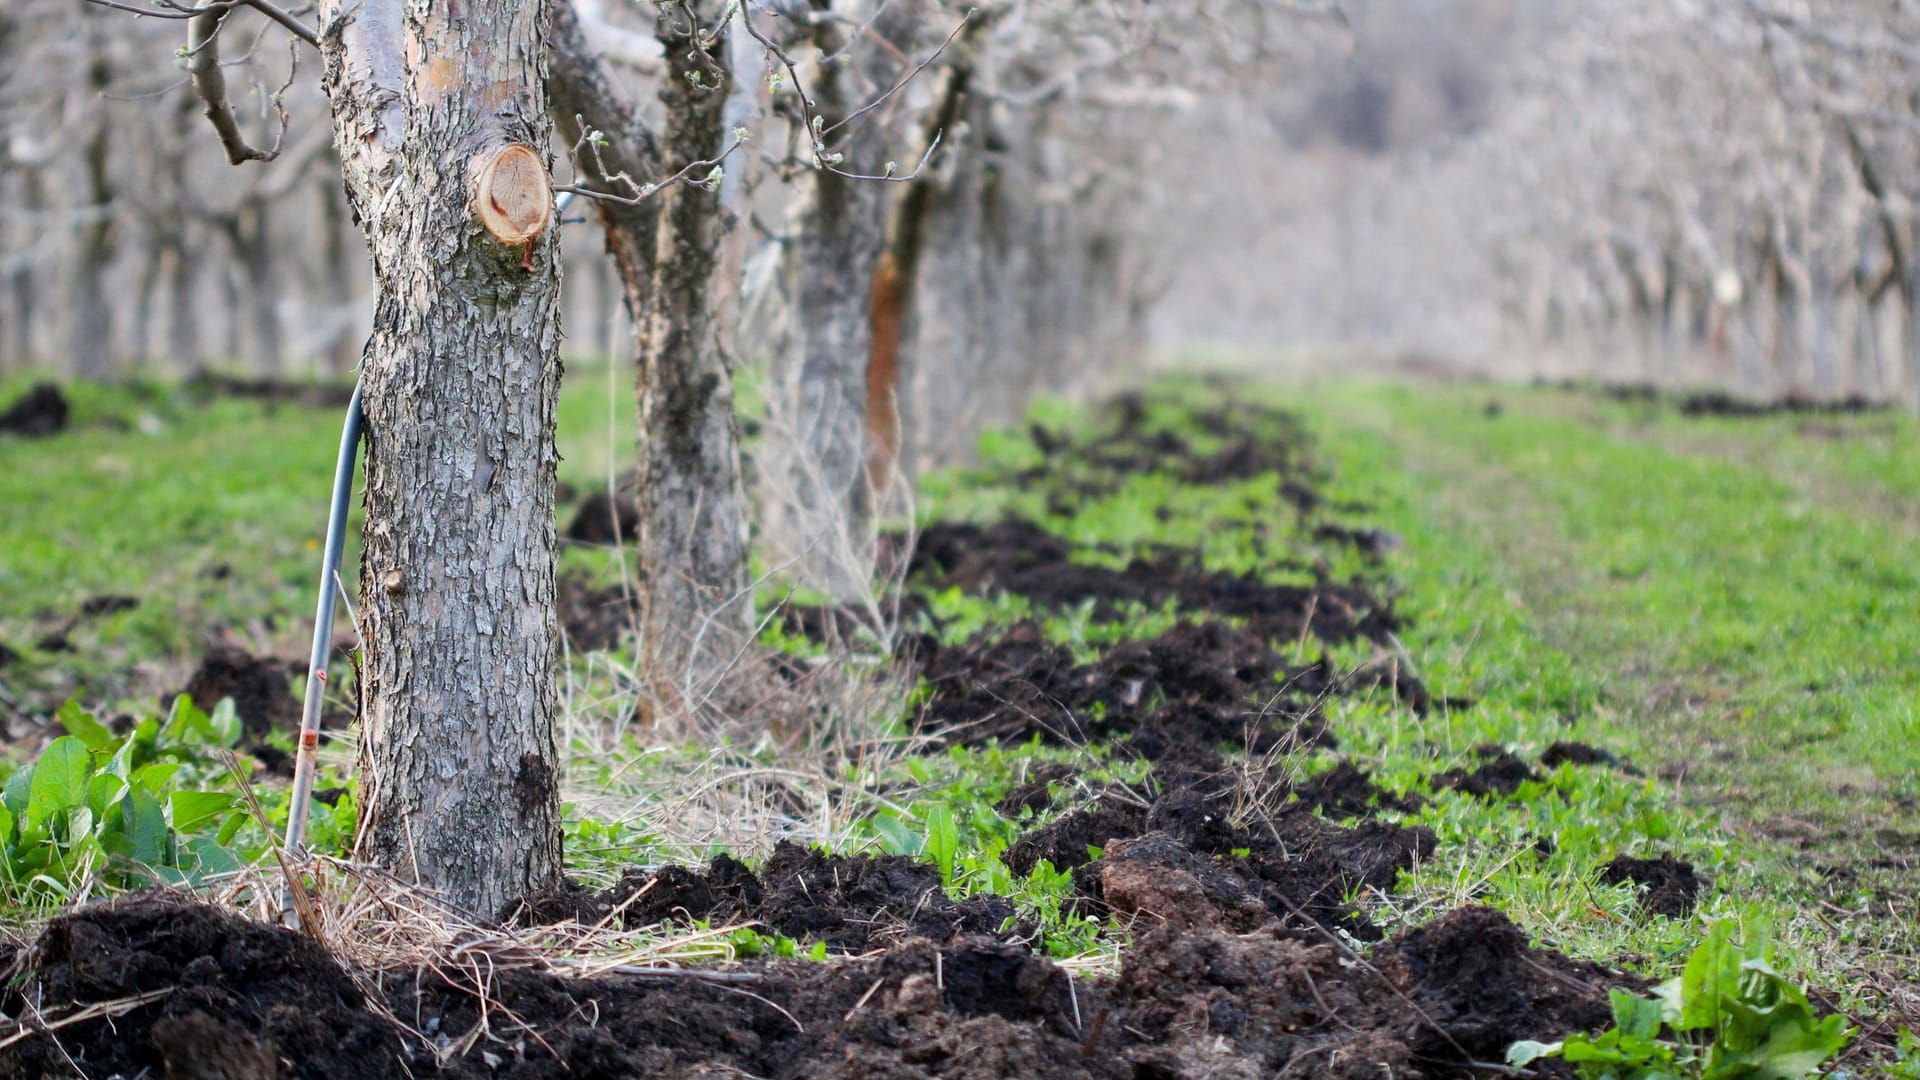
[[254, 244], [20, 278], [443, 110], [339, 292], [89, 336], [827, 504], [894, 313], [697, 602], [183, 327]]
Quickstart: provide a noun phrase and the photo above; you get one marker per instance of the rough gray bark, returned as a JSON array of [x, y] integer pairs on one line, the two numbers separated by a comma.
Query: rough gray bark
[[246, 230], [458, 750], [827, 511], [89, 329], [695, 595], [896, 314], [697, 601]]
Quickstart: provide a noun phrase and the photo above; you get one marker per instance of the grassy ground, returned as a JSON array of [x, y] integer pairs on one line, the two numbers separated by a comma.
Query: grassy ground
[[1729, 604], [211, 514], [1730, 601]]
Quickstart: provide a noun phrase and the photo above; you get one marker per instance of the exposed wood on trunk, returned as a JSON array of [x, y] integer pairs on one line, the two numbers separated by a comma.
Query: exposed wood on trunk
[[896, 277], [826, 516]]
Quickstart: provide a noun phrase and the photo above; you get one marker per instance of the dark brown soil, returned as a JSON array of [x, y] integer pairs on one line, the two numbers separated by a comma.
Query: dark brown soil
[[1205, 684], [258, 686], [236, 999], [1718, 403], [1034, 795], [1017, 556], [58, 637], [207, 384], [592, 618], [1498, 775], [1668, 885], [600, 520], [852, 903], [39, 412]]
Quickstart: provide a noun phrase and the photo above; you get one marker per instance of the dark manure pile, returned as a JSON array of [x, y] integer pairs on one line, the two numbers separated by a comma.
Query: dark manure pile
[[159, 985], [852, 903]]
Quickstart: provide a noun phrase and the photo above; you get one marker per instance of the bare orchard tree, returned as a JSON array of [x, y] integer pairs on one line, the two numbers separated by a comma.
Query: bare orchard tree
[[664, 235], [440, 123]]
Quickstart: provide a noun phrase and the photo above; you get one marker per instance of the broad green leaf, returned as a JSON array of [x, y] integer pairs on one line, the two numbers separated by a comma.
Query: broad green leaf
[[6, 831], [229, 829], [75, 825], [138, 750], [81, 725], [943, 839], [224, 724], [145, 823], [1711, 978], [1526, 1052], [59, 778], [153, 777], [189, 810], [102, 791], [185, 722], [1636, 1015], [895, 837], [202, 857], [14, 795]]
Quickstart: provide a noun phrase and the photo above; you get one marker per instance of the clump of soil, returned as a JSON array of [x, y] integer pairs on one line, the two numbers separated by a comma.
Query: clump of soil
[[1461, 989], [1253, 440], [1575, 753], [1156, 878], [227, 997], [1034, 795], [602, 520], [1014, 555], [39, 412], [1498, 775], [1476, 983], [257, 684], [1720, 403], [207, 384], [1346, 791], [1372, 543], [226, 988], [59, 637], [1668, 885], [592, 618], [852, 903], [1286, 860], [1197, 684]]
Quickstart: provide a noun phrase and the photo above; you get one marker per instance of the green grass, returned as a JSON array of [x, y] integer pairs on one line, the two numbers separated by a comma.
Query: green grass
[[211, 515], [1696, 610]]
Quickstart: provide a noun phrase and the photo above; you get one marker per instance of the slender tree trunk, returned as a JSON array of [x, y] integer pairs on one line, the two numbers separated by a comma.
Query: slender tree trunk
[[827, 516], [442, 108], [89, 331], [253, 238], [338, 275], [183, 328], [145, 304], [20, 279], [697, 600], [894, 314]]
